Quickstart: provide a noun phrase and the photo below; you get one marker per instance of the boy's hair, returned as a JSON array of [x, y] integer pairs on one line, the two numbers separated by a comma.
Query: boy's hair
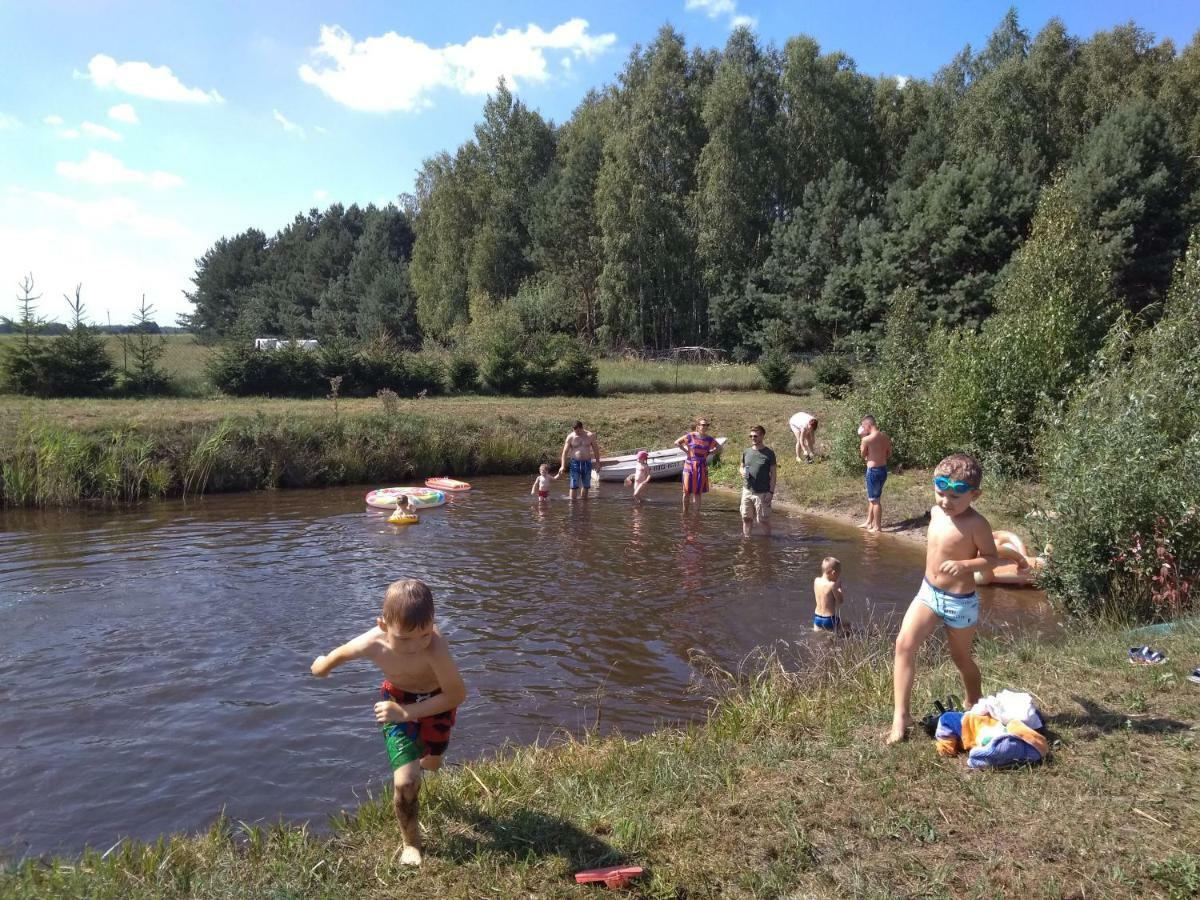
[[869, 418], [831, 563], [815, 423], [759, 429], [961, 467], [545, 466], [577, 425], [408, 604]]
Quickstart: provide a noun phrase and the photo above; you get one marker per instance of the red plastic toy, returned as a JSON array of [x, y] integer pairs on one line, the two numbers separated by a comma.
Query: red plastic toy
[[614, 877]]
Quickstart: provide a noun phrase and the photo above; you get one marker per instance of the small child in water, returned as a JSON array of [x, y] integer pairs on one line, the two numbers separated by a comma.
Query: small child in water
[[641, 475], [827, 588], [418, 701], [404, 510], [541, 484]]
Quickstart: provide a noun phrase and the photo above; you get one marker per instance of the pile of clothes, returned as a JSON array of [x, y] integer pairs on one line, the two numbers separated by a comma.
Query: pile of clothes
[[1000, 730]]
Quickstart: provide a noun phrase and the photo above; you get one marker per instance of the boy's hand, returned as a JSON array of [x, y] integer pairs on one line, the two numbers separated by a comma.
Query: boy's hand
[[390, 711], [318, 667], [952, 567]]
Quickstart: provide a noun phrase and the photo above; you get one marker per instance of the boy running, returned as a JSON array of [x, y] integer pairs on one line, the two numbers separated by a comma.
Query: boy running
[[875, 448], [418, 699], [960, 544]]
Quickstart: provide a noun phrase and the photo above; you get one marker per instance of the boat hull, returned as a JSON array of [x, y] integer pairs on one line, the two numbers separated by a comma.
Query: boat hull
[[663, 464]]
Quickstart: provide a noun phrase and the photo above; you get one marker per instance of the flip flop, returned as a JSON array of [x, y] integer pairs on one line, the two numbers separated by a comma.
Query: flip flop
[[1144, 656], [1195, 676], [614, 877]]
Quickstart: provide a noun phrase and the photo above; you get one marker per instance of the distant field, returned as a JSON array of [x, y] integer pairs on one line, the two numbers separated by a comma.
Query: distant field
[[185, 360]]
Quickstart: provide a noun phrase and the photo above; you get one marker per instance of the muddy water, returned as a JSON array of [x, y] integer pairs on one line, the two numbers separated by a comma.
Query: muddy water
[[154, 663]]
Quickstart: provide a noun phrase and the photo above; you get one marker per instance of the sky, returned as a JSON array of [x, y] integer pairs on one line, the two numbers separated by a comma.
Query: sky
[[133, 135]]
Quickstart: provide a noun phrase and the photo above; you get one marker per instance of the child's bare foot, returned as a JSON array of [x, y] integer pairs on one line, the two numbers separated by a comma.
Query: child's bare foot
[[899, 731], [410, 856], [872, 529], [864, 524]]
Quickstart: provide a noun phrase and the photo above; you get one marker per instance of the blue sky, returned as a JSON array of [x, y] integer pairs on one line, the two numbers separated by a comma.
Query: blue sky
[[134, 134]]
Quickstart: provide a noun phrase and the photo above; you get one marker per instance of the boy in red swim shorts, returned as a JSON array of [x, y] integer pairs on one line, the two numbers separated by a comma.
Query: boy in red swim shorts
[[418, 699]]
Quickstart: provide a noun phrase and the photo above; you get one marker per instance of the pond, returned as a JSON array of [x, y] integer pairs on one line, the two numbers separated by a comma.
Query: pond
[[154, 661]]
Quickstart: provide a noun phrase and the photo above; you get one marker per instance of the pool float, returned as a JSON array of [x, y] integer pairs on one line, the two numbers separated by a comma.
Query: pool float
[[449, 485], [1011, 547], [418, 497], [400, 517], [614, 877]]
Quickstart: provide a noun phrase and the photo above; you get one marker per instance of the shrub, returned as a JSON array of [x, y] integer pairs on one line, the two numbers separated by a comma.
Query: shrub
[[776, 368], [503, 368], [144, 350], [833, 376], [423, 373], [462, 375], [578, 374], [241, 370], [1122, 470], [77, 364]]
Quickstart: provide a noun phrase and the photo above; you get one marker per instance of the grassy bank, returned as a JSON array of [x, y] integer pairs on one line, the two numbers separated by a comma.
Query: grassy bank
[[62, 451], [786, 791]]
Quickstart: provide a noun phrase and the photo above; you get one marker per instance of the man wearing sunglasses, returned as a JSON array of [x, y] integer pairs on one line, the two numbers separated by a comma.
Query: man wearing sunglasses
[[759, 469], [875, 448]]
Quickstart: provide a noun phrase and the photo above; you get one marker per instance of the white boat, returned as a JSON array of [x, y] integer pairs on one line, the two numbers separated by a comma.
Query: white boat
[[663, 463]]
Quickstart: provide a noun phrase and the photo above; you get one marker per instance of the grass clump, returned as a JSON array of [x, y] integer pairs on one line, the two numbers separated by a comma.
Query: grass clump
[[786, 790]]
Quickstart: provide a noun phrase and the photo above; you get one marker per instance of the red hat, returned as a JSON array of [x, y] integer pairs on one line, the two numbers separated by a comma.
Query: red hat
[[642, 454]]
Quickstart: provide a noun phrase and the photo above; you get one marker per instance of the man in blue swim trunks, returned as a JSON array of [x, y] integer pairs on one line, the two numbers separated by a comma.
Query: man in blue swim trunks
[[959, 544], [583, 449], [876, 449]]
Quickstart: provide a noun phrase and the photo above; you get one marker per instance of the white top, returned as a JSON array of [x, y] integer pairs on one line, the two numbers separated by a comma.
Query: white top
[[799, 421], [641, 471]]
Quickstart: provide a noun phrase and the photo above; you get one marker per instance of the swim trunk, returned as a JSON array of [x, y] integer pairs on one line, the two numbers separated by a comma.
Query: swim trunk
[[956, 610], [409, 741], [755, 506], [876, 476], [543, 495], [826, 623], [581, 473]]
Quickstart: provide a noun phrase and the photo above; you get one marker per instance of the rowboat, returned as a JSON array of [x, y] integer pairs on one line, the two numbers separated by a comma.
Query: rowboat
[[663, 463]]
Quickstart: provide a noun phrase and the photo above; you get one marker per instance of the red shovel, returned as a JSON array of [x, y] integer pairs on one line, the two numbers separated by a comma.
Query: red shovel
[[614, 877]]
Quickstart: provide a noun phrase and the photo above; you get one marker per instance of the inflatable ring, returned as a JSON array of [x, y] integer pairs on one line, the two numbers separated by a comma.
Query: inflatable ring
[[449, 485], [418, 497], [403, 518], [1011, 547]]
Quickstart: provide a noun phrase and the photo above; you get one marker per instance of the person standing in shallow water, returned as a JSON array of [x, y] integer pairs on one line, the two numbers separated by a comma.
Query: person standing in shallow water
[[699, 445], [758, 471], [583, 450]]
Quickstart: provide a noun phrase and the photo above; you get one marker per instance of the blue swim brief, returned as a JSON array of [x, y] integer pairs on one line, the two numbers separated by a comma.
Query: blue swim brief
[[956, 610], [876, 476], [581, 473], [826, 623]]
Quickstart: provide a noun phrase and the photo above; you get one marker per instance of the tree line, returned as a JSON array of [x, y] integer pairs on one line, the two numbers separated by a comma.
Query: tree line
[[754, 198]]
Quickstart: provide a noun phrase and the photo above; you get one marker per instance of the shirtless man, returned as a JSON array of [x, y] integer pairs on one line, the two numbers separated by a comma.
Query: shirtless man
[[876, 449], [960, 544], [583, 450]]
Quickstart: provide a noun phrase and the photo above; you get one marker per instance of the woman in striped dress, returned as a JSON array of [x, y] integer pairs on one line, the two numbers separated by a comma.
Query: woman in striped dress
[[699, 445]]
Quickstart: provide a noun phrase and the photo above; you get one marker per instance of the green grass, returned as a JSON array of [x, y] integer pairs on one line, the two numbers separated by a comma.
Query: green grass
[[787, 790]]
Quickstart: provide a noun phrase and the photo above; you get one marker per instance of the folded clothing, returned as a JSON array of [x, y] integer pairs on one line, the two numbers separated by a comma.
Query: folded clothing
[[1007, 706]]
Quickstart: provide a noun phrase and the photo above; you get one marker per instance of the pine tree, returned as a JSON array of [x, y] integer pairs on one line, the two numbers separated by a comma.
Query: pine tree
[[23, 368], [78, 364], [144, 347]]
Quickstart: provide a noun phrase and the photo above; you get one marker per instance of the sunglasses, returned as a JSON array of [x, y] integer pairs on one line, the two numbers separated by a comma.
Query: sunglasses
[[702, 424], [944, 484]]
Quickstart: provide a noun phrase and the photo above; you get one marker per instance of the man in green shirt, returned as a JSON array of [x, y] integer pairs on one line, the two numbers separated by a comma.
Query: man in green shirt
[[758, 472]]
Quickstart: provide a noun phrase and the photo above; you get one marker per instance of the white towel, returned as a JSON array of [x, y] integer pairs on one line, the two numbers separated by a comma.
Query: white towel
[[1008, 705]]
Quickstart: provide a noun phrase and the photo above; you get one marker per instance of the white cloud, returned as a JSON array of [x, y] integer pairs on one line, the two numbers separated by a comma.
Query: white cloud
[[289, 126], [101, 168], [319, 130], [714, 9], [8, 122], [901, 81], [99, 131], [395, 72], [52, 120], [123, 112], [144, 80], [69, 133], [320, 194], [113, 211]]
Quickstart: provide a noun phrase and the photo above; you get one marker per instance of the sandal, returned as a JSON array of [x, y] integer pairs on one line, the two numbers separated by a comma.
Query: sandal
[[1144, 656], [1195, 676]]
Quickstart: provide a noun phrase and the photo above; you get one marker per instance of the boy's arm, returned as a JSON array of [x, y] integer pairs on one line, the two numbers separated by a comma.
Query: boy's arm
[[985, 545], [352, 649], [862, 448], [454, 692]]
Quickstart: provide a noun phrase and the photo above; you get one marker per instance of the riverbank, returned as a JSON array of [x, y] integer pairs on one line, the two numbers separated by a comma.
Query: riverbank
[[787, 790], [62, 452]]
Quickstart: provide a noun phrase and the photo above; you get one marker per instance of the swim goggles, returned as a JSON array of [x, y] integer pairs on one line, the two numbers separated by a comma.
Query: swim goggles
[[943, 484]]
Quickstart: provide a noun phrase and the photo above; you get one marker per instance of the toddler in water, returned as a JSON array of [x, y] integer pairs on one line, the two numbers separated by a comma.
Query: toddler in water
[[541, 484], [419, 699], [641, 475], [827, 588]]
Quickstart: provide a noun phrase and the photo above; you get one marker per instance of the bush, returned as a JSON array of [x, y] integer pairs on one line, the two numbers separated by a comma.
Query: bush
[[1122, 471], [776, 368], [243, 371], [578, 374], [503, 368], [833, 376], [424, 374], [462, 375]]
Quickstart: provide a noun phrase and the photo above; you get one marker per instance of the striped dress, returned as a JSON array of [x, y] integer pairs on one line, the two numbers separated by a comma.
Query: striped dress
[[695, 470]]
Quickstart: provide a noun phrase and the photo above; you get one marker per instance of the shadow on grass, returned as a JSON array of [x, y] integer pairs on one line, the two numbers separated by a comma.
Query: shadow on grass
[[520, 834], [909, 524], [1097, 720]]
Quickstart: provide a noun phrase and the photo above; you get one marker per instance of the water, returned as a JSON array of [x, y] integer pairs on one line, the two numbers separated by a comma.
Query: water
[[154, 662]]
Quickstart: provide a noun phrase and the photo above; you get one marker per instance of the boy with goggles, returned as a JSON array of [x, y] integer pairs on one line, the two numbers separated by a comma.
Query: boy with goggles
[[960, 544]]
